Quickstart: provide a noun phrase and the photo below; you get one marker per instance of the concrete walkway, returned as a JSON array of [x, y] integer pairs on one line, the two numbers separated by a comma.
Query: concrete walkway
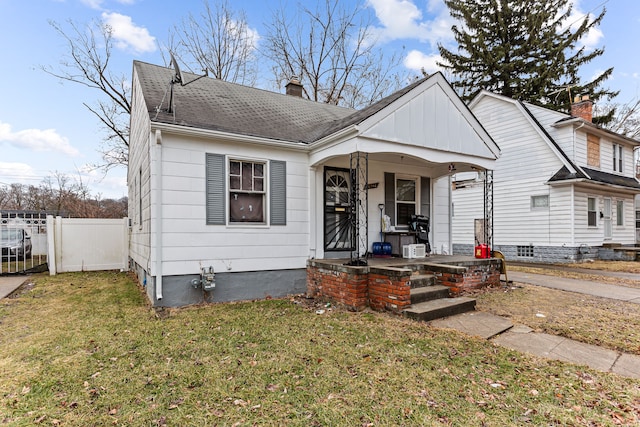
[[522, 338], [622, 293], [9, 284]]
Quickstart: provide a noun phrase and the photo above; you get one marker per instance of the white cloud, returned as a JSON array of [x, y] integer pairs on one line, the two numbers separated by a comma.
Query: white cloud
[[36, 140], [93, 4], [17, 173], [416, 60], [127, 35], [402, 19], [592, 39]]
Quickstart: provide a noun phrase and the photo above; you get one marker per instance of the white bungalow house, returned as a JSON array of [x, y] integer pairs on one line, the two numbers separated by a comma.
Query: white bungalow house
[[563, 188], [249, 185]]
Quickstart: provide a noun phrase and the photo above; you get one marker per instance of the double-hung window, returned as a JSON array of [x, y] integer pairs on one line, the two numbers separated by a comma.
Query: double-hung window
[[620, 213], [245, 191], [406, 200], [617, 158], [592, 215]]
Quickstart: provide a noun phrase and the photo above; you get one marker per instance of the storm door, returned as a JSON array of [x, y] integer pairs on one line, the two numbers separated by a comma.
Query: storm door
[[338, 235]]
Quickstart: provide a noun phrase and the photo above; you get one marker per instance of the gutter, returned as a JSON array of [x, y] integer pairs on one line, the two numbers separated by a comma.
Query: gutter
[[226, 136]]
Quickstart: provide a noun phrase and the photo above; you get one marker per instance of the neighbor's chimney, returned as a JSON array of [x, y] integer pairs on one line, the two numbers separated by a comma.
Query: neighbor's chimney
[[582, 107], [294, 87]]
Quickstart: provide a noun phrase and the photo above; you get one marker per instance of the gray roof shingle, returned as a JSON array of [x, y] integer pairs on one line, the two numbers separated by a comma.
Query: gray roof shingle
[[222, 106]]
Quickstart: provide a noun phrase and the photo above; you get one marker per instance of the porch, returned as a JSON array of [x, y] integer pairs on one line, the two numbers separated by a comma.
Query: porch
[[393, 284]]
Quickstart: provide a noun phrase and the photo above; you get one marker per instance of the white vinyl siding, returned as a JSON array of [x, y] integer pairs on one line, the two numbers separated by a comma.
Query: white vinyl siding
[[138, 175], [189, 242], [518, 174]]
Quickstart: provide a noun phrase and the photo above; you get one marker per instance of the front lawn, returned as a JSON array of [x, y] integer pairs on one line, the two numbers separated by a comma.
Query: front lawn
[[85, 349]]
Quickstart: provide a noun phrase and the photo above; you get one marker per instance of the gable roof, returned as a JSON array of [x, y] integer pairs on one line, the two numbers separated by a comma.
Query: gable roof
[[218, 105]]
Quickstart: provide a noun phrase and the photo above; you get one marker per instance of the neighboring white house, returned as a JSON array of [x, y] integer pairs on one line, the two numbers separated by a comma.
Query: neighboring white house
[[250, 184], [563, 188]]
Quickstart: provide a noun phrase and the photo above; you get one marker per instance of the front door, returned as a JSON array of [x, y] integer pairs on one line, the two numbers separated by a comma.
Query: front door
[[338, 235]]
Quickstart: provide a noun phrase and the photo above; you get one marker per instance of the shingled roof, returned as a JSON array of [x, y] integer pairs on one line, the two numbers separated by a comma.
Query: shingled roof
[[214, 104]]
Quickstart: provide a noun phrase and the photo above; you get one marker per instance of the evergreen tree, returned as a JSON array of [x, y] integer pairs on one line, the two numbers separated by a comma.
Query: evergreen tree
[[525, 50]]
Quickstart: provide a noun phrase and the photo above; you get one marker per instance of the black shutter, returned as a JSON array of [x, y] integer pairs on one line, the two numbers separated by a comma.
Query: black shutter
[[390, 196], [425, 196], [278, 192], [215, 189]]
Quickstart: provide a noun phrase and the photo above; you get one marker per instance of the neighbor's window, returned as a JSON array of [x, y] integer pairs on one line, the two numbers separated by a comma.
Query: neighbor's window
[[540, 202], [620, 213], [524, 251], [593, 150], [246, 191], [617, 157], [406, 201], [591, 212], [637, 220]]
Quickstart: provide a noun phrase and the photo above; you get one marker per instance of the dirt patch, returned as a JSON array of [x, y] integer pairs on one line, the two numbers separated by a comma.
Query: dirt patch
[[23, 289]]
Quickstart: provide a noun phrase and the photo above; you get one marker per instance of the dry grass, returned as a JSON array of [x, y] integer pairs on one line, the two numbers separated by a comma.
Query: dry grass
[[84, 349], [608, 323], [619, 266], [611, 266], [599, 321]]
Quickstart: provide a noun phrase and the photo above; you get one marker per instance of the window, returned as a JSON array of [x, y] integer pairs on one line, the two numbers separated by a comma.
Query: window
[[246, 191], [406, 200], [591, 212], [620, 213], [593, 150], [540, 202], [525, 251], [638, 220], [617, 157], [236, 191]]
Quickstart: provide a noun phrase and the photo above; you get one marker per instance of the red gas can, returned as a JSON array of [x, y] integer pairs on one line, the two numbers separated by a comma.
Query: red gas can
[[483, 251]]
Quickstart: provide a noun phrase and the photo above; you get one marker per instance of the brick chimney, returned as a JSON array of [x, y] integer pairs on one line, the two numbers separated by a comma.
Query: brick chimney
[[582, 107], [294, 87]]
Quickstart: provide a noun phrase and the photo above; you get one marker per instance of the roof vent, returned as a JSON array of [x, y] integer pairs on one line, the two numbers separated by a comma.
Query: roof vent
[[294, 87]]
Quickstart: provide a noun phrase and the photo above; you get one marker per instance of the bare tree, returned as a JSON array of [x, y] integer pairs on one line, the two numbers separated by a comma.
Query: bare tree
[[625, 117], [87, 63], [333, 53], [218, 40]]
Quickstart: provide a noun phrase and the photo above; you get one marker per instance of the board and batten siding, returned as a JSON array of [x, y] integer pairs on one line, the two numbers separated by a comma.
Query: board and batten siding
[[138, 177], [189, 243]]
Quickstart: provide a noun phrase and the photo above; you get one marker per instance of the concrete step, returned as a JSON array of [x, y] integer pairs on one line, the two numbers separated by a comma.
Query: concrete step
[[429, 293], [443, 307], [421, 280]]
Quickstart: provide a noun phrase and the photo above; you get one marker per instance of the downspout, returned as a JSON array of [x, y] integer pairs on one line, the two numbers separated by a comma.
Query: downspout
[[157, 212], [450, 217]]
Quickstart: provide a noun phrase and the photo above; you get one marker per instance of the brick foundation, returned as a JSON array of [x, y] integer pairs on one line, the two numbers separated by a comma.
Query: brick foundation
[[389, 288]]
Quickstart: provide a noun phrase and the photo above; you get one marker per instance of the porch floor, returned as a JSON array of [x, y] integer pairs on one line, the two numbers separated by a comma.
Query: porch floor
[[375, 261]]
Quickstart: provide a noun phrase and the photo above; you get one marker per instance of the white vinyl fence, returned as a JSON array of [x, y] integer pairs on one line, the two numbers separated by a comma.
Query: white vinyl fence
[[87, 244]]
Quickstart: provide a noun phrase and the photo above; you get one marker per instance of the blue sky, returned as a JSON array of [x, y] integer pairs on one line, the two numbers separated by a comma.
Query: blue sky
[[45, 128]]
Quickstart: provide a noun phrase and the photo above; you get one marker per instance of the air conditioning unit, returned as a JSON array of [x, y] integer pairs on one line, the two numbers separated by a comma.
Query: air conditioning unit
[[418, 250]]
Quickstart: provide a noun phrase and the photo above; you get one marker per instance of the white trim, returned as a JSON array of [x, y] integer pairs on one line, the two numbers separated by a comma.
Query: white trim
[[228, 137]]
